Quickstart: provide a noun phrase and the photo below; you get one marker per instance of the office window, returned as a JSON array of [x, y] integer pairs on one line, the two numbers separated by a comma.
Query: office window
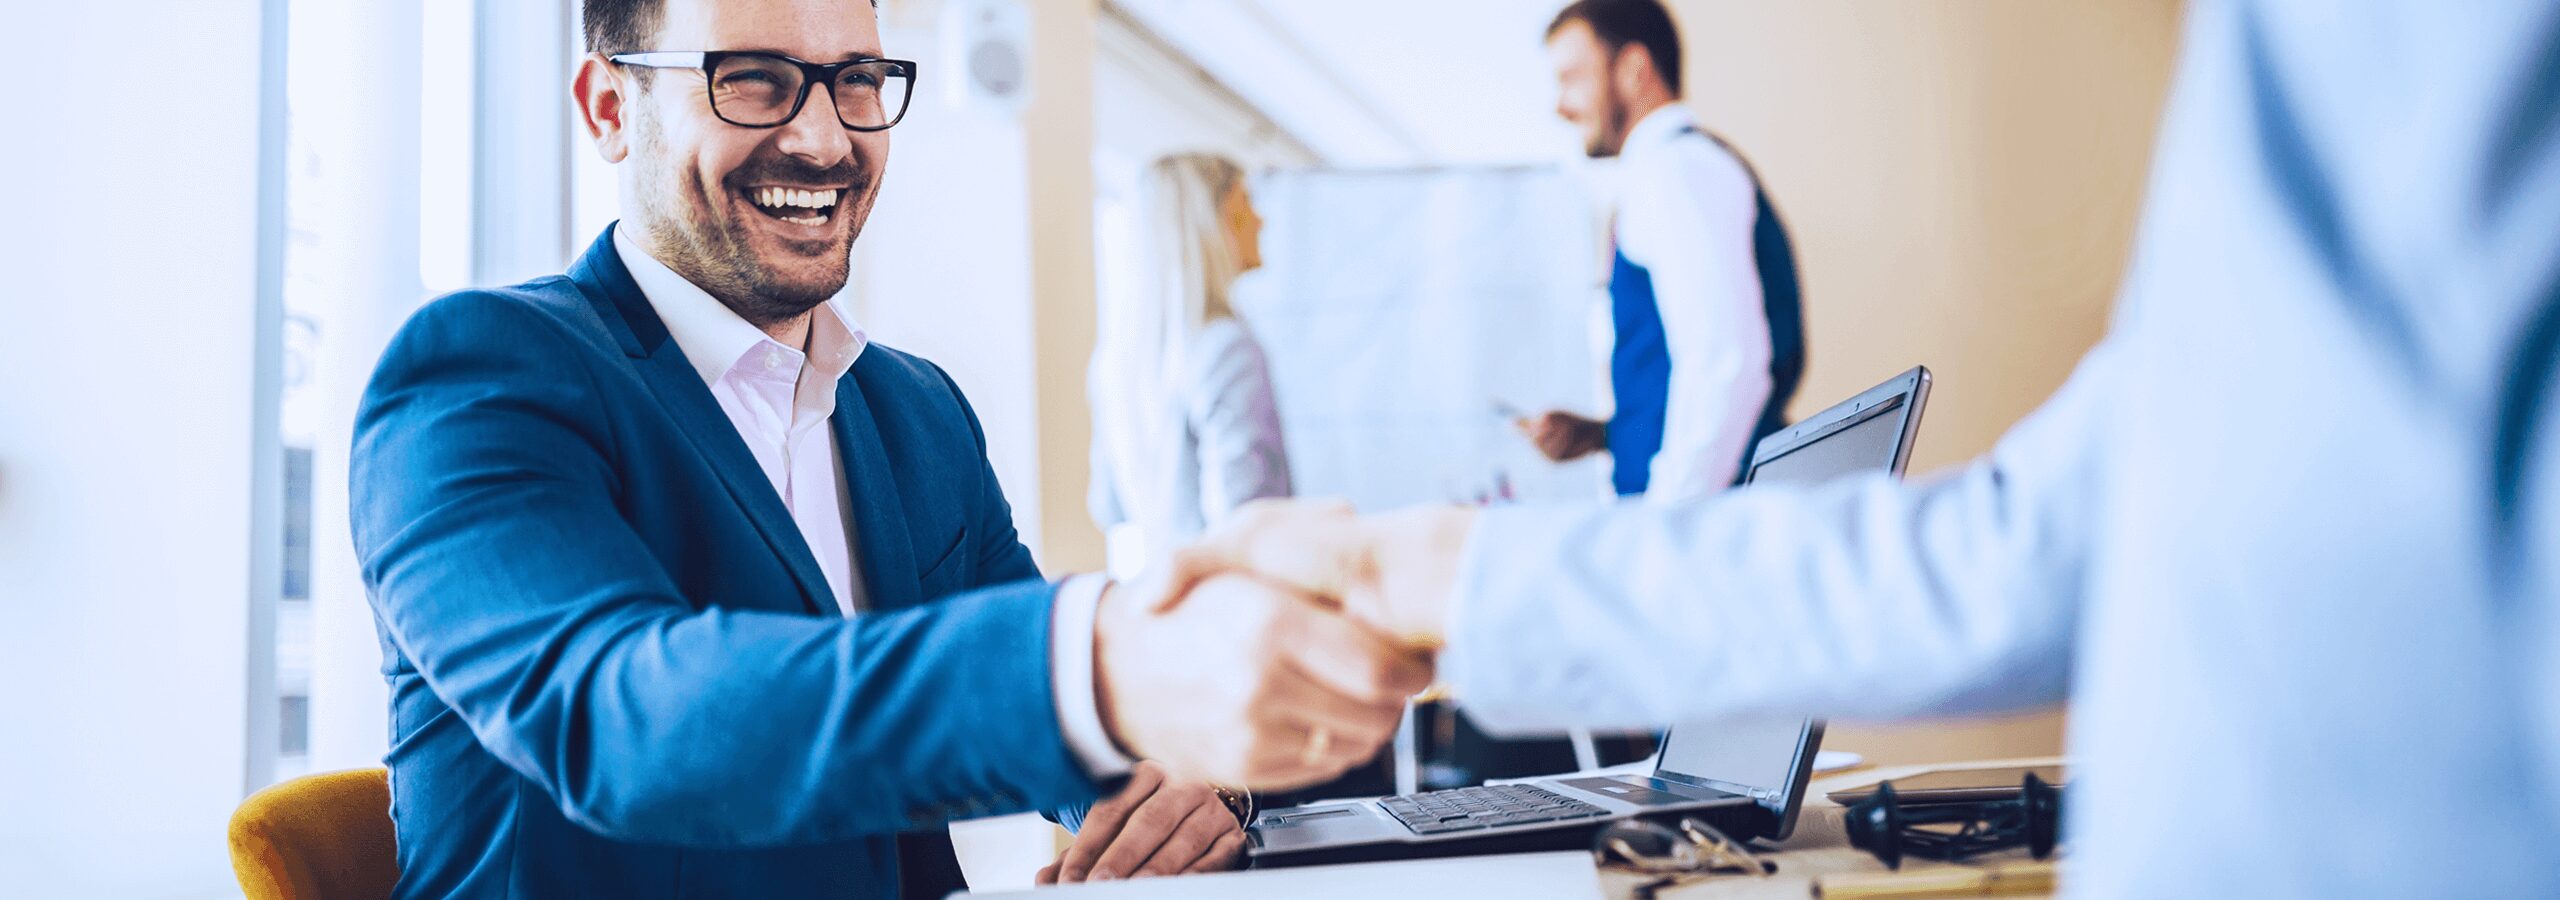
[[379, 214]]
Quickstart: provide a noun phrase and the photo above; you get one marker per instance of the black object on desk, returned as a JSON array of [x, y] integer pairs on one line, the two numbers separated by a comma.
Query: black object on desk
[[1956, 785], [1889, 829]]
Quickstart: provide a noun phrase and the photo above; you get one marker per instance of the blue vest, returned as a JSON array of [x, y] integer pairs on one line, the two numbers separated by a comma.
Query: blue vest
[[1640, 365]]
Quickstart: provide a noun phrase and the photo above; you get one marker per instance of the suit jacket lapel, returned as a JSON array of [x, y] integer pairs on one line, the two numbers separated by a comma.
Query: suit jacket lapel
[[879, 510], [680, 391]]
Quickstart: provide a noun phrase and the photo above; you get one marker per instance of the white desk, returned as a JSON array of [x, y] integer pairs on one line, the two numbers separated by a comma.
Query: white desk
[[1819, 847], [1546, 876]]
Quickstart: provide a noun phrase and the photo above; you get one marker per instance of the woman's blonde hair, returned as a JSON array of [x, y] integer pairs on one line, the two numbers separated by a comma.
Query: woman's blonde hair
[[1187, 262]]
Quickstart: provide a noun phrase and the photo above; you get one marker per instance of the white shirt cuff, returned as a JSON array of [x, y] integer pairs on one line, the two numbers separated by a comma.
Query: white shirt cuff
[[1071, 676]]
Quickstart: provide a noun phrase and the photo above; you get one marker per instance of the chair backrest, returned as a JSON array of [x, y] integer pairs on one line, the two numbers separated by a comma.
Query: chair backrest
[[318, 836]]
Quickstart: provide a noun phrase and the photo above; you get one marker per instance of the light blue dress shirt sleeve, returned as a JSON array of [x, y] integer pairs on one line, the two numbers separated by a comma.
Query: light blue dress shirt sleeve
[[1853, 598]]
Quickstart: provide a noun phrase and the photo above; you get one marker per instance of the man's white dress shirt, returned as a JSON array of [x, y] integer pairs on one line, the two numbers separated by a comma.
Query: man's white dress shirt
[[779, 398], [1686, 213]]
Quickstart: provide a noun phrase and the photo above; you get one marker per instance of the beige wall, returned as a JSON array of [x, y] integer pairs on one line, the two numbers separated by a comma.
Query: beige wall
[[1961, 178], [1058, 133]]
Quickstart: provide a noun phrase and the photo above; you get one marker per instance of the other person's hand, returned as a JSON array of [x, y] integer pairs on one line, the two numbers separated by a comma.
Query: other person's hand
[[1245, 682], [1156, 825], [1564, 437], [1396, 571]]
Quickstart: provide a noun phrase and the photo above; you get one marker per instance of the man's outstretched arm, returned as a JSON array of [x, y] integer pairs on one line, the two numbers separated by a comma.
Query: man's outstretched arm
[[1863, 598], [501, 568]]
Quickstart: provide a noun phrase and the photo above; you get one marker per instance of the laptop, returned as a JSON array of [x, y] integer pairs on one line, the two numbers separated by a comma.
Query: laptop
[[1745, 778]]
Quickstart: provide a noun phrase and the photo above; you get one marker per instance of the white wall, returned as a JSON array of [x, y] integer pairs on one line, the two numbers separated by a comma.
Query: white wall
[[942, 269], [1150, 99], [1373, 84], [127, 326]]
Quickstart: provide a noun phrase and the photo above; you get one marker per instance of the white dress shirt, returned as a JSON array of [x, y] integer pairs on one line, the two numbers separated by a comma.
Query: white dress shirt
[[2254, 540], [779, 398], [1686, 211]]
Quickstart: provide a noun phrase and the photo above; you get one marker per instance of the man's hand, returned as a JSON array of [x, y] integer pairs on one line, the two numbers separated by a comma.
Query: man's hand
[[1565, 437], [1243, 682], [1157, 825]]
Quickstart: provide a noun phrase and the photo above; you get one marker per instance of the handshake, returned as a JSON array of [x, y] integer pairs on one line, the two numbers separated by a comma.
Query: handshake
[[1279, 651]]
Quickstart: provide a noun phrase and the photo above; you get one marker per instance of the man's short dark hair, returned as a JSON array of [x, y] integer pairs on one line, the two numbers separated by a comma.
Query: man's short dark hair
[[1621, 22], [625, 26], [621, 26]]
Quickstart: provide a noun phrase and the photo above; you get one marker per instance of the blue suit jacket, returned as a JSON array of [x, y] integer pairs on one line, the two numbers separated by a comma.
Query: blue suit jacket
[[615, 668]]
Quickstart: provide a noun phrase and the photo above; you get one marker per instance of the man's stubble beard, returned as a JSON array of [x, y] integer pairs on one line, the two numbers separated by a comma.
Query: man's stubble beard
[[1611, 139], [712, 251]]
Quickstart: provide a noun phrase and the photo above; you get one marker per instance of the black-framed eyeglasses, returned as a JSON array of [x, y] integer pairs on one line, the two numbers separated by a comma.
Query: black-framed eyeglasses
[[754, 89]]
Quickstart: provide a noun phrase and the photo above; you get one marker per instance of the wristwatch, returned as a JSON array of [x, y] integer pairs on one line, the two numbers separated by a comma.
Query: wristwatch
[[1238, 801]]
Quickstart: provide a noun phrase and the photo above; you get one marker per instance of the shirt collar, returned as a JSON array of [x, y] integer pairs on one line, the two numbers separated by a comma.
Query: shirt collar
[[1660, 126], [714, 338]]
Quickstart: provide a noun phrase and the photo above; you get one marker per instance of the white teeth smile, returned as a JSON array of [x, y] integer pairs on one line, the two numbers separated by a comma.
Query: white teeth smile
[[819, 204]]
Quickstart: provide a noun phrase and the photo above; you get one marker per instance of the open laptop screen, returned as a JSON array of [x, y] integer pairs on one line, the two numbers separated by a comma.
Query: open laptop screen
[[1866, 443], [1867, 433], [1731, 755]]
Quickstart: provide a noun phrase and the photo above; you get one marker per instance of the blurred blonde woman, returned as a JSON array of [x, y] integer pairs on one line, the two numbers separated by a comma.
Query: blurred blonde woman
[[1185, 426]]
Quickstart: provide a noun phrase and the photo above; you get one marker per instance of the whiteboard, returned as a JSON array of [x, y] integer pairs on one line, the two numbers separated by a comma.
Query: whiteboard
[[1396, 309]]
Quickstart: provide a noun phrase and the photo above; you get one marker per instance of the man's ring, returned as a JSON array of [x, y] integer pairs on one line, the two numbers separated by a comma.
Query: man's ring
[[1319, 743]]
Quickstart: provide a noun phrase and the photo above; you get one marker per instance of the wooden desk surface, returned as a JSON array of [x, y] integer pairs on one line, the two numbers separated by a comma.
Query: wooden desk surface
[[1819, 846]]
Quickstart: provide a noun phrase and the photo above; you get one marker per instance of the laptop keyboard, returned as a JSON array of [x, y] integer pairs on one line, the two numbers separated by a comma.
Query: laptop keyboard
[[1462, 809]]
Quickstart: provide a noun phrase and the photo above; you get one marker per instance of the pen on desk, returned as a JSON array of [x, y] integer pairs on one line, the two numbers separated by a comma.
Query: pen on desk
[[2003, 880]]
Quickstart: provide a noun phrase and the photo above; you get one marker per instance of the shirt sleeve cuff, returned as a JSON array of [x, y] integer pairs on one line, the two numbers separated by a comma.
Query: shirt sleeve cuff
[[1071, 656]]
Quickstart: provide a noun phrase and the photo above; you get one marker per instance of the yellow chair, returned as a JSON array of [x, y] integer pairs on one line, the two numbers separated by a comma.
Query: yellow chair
[[318, 836]]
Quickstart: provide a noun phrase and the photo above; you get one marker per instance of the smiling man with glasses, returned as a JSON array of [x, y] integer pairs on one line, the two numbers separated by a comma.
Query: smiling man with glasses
[[686, 588]]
